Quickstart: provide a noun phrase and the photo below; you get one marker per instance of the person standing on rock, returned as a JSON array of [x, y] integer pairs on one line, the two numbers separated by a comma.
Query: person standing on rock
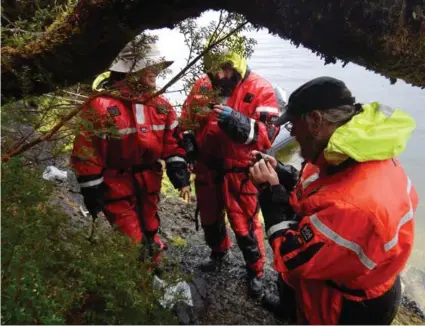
[[228, 113], [344, 233], [117, 154]]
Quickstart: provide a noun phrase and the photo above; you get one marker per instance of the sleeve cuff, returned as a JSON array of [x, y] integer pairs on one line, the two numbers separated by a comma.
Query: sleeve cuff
[[89, 181], [288, 175], [281, 226], [177, 172], [279, 194]]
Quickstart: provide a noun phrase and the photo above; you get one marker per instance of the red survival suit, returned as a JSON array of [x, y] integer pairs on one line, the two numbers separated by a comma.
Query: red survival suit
[[120, 158], [351, 237], [221, 180]]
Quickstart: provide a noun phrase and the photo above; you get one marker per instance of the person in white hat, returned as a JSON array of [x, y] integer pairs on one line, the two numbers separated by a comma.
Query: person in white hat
[[119, 170], [132, 59]]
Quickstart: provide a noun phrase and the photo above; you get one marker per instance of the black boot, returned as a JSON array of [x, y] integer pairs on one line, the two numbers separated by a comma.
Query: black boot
[[255, 284], [272, 303], [284, 310], [184, 313], [215, 261], [158, 271]]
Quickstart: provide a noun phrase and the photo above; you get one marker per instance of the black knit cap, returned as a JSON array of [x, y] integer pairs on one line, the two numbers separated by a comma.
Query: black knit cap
[[321, 93]]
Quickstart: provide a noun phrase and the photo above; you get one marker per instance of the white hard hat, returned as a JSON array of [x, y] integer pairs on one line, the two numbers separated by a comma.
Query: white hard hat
[[127, 61]]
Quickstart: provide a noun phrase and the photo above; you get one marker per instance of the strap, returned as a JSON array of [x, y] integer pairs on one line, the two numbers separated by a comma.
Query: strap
[[136, 168], [354, 292], [236, 169], [217, 165]]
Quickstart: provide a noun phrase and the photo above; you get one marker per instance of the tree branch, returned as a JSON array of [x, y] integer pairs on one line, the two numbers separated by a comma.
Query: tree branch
[[385, 36], [198, 57], [175, 91], [24, 147], [220, 18], [20, 30]]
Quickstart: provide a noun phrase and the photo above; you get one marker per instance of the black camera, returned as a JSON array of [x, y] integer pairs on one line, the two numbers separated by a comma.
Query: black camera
[[211, 105], [259, 157], [189, 144]]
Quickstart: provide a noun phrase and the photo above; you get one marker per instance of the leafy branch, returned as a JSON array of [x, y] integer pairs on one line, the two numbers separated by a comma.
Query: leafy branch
[[24, 147]]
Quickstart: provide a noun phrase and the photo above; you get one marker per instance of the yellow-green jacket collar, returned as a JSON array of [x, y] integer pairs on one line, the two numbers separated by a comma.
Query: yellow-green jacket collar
[[378, 133], [99, 80]]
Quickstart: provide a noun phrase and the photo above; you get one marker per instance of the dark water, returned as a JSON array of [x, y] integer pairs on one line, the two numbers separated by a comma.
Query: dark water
[[289, 67]]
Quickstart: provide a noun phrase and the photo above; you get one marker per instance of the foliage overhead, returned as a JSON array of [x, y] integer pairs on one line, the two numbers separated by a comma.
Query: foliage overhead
[[48, 128], [385, 36]]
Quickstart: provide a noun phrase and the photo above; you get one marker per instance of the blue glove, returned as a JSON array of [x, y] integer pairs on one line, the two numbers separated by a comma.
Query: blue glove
[[225, 114], [235, 124]]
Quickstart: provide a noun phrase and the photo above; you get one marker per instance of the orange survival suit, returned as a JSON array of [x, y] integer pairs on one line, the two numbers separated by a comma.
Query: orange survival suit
[[342, 236], [116, 159], [222, 183]]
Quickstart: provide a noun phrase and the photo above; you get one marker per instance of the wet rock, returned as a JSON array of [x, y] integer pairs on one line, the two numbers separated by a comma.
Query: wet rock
[[223, 297], [184, 230], [413, 280], [184, 313], [413, 307], [199, 290]]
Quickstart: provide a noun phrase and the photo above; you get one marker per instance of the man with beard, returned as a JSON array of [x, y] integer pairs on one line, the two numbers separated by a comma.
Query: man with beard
[[228, 113], [341, 229]]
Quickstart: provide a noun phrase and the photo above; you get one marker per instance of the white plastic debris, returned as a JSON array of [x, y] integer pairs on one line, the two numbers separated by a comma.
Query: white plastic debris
[[84, 211], [180, 290], [52, 173]]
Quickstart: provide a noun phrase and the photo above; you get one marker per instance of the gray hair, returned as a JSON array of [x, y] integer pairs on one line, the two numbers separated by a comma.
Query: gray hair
[[341, 114]]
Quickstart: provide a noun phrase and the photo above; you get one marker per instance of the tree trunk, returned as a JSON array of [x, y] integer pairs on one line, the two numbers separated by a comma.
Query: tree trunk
[[386, 36]]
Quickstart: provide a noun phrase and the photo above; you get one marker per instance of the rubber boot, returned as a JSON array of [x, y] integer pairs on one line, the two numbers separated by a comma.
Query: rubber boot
[[255, 284], [272, 303], [215, 261]]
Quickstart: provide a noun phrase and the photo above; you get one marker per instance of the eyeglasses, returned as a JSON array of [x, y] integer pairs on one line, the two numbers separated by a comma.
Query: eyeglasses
[[288, 126]]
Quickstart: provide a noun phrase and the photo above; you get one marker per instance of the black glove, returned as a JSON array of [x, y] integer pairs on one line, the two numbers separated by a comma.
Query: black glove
[[236, 125], [189, 144], [288, 175], [94, 198], [274, 203], [177, 171]]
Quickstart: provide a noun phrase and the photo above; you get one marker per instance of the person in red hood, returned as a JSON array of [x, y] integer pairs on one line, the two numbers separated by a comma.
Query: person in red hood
[[117, 154], [228, 113], [343, 232]]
